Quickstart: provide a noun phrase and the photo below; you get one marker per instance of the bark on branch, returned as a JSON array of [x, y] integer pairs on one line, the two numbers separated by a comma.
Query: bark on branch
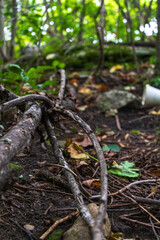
[[17, 139]]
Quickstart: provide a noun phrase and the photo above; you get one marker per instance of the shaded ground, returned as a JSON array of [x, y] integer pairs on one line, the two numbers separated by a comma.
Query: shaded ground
[[39, 193]]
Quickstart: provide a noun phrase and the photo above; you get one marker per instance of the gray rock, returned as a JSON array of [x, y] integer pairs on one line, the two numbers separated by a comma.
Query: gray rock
[[114, 99], [80, 230]]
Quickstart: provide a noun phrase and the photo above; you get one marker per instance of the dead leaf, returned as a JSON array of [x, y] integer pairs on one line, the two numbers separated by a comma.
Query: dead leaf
[[102, 87], [74, 82], [85, 90], [126, 136], [76, 151], [116, 67], [21, 155], [85, 142], [91, 183], [81, 163], [155, 112], [129, 77], [155, 172], [121, 144], [74, 75]]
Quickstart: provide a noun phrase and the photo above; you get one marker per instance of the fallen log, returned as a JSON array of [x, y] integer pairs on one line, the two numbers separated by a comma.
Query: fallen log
[[17, 139]]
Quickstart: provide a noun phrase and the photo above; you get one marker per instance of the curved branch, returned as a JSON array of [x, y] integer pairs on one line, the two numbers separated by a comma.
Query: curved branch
[[104, 179]]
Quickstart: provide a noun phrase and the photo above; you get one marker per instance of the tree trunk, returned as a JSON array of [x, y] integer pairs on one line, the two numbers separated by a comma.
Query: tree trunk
[[81, 22], [2, 38], [157, 70], [13, 30], [129, 20], [100, 28]]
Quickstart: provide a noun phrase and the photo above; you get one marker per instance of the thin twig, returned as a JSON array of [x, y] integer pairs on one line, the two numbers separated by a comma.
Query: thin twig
[[145, 210], [57, 223], [136, 221], [128, 187], [153, 228], [73, 185], [68, 169], [104, 179], [118, 122], [29, 234]]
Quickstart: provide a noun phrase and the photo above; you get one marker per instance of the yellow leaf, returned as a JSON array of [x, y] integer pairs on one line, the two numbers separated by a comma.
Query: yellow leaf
[[85, 90], [155, 112], [76, 151], [116, 67], [126, 136]]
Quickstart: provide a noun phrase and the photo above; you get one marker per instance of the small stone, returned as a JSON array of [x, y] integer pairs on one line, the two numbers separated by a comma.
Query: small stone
[[114, 99], [29, 227], [80, 230]]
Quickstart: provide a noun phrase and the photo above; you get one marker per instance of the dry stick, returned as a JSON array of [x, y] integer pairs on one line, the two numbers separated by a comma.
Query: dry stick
[[136, 221], [118, 122], [24, 99], [57, 223], [74, 187], [153, 228], [104, 184], [147, 200], [135, 202], [62, 87], [17, 138], [128, 187], [68, 169], [104, 180]]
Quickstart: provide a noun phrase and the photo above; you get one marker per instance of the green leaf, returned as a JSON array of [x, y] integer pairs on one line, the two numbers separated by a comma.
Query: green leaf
[[15, 166], [48, 83], [125, 169], [1, 126], [109, 147], [55, 63], [136, 131], [1, 42], [15, 65], [62, 65], [55, 235]]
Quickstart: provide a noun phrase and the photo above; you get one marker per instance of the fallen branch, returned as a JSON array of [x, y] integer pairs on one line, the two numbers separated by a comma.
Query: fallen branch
[[97, 231], [70, 177], [128, 187], [17, 139]]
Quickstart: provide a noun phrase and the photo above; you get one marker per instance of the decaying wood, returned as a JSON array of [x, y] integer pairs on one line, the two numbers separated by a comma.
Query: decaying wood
[[17, 139]]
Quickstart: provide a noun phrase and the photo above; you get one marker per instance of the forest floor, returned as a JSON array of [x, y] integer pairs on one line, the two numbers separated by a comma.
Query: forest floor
[[38, 194]]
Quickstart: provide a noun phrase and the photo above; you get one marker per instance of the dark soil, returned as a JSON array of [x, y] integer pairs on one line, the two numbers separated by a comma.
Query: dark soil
[[38, 195]]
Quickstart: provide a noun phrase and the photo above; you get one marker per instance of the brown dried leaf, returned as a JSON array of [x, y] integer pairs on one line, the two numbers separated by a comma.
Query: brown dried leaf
[[91, 183]]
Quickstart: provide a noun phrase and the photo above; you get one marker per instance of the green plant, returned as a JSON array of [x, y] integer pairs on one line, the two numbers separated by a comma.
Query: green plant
[[124, 169], [112, 147], [155, 81], [16, 76]]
